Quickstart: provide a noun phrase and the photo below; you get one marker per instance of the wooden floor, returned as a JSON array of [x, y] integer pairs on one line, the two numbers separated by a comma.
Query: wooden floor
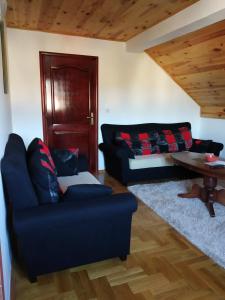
[[163, 265]]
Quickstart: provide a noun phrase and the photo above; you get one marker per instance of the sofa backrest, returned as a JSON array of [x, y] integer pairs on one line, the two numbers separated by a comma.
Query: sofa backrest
[[109, 130], [16, 180]]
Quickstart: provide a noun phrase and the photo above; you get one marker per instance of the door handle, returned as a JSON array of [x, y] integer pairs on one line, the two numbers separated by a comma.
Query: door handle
[[91, 117]]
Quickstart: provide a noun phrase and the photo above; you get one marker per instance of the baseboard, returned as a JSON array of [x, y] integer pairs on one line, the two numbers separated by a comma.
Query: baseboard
[[13, 285]]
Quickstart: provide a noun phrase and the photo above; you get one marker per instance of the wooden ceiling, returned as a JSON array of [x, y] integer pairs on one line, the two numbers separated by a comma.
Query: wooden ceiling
[[196, 62], [117, 20]]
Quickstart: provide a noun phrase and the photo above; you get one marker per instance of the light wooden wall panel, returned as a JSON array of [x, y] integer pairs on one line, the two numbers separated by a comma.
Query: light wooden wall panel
[[196, 61], [117, 20]]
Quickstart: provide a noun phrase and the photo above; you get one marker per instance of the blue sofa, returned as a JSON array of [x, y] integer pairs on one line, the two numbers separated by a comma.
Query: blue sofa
[[52, 237]]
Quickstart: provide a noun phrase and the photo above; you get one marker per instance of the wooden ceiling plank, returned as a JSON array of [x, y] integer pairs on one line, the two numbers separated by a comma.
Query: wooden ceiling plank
[[11, 13], [75, 11], [103, 25], [213, 111], [197, 65], [87, 12], [214, 47], [193, 38], [35, 12], [203, 79], [47, 16], [121, 19]]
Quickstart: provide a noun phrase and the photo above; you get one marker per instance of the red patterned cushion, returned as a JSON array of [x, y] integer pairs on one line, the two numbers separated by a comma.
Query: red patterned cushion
[[43, 172], [187, 137], [145, 144], [175, 140], [171, 140], [49, 162], [140, 143]]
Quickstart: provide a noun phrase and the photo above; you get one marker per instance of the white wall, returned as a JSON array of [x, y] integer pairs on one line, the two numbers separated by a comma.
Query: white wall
[[5, 129], [213, 129], [132, 88]]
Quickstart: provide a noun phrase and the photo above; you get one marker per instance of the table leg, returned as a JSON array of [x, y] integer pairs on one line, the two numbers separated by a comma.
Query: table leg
[[209, 184], [207, 194]]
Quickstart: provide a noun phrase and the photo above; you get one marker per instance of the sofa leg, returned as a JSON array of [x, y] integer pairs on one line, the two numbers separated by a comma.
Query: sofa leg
[[123, 257]]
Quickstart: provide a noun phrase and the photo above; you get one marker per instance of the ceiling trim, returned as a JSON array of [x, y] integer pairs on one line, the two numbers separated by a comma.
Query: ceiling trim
[[196, 16]]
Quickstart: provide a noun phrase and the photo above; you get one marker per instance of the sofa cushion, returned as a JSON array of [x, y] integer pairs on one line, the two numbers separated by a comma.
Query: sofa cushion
[[86, 191], [16, 179], [142, 143], [38, 145], [186, 135], [81, 178], [43, 175], [175, 140], [66, 161], [151, 161]]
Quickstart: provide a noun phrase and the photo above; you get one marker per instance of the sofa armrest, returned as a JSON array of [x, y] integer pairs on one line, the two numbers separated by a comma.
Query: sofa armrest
[[206, 146], [113, 150], [40, 219], [215, 148]]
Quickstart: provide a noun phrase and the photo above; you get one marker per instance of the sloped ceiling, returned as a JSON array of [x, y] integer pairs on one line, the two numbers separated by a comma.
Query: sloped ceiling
[[196, 62], [117, 20]]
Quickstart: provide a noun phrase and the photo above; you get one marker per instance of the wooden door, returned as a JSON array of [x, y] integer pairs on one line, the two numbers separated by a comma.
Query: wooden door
[[69, 102]]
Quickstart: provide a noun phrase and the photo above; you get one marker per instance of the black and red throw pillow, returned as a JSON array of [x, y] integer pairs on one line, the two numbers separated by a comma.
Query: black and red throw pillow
[[43, 173], [175, 140], [66, 161], [167, 142], [187, 137], [38, 144], [143, 143]]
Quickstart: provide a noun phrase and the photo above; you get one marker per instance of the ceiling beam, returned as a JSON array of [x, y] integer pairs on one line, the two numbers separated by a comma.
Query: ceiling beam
[[196, 16]]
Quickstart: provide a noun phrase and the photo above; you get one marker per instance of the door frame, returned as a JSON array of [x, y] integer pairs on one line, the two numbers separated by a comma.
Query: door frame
[[43, 98]]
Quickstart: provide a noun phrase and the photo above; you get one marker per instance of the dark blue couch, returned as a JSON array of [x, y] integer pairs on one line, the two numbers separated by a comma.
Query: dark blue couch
[[52, 237]]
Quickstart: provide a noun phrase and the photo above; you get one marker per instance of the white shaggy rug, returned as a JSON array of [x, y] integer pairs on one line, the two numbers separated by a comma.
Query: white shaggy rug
[[188, 216]]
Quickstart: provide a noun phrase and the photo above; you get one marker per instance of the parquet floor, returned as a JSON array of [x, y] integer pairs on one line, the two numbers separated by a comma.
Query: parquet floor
[[163, 265]]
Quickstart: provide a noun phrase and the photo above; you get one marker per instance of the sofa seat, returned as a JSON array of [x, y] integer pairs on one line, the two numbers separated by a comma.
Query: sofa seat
[[150, 161], [81, 178]]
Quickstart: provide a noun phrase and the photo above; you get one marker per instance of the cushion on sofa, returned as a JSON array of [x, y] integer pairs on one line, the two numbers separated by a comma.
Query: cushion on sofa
[[142, 143], [38, 145], [43, 175], [151, 161], [175, 140], [66, 161], [86, 191]]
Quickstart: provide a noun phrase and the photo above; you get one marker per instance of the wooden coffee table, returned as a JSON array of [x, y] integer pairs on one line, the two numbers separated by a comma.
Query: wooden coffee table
[[208, 194]]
